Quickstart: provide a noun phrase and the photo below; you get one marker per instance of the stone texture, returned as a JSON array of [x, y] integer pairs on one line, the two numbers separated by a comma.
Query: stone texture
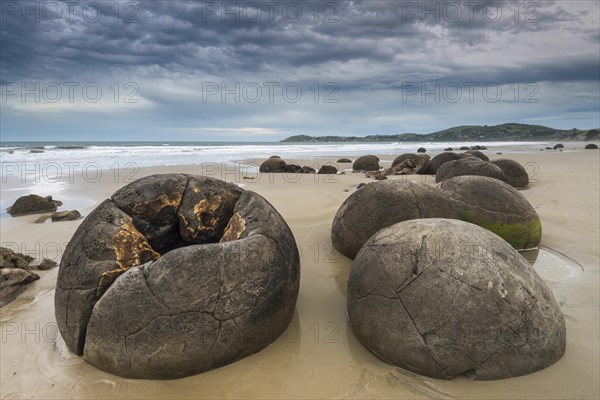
[[445, 298]]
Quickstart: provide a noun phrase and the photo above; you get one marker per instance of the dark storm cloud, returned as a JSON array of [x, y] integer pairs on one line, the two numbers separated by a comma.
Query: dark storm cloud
[[364, 46], [211, 37]]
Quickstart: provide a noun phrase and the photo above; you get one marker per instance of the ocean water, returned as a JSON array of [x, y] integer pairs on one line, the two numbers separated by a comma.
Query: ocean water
[[108, 155]]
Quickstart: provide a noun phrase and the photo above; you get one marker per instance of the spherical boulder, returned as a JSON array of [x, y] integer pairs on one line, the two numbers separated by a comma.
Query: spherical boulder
[[484, 201], [478, 154], [419, 160], [175, 275], [440, 159], [380, 204], [468, 166], [366, 163], [421, 150], [514, 173], [591, 146], [344, 161], [293, 168], [445, 298], [496, 206], [307, 170], [465, 148], [559, 146], [273, 164], [327, 170]]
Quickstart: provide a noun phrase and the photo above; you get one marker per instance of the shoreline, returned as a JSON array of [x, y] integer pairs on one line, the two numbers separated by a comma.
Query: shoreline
[[318, 356]]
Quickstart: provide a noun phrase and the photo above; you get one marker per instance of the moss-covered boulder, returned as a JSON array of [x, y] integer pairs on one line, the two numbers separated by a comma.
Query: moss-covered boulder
[[496, 206], [484, 201]]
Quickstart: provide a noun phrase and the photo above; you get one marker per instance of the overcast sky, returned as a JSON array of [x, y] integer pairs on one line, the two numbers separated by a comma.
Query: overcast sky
[[264, 70]]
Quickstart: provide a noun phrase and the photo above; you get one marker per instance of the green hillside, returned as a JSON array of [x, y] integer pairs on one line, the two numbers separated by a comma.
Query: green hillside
[[505, 132]]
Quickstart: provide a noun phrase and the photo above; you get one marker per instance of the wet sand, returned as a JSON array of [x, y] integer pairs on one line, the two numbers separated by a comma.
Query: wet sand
[[318, 356]]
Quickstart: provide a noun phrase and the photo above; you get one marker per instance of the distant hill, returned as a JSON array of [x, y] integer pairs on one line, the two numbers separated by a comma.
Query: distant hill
[[505, 132]]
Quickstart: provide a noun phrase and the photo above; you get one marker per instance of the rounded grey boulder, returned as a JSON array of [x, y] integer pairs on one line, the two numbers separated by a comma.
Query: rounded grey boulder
[[514, 173], [366, 163], [445, 298], [380, 204], [175, 275], [468, 166], [477, 154], [437, 161], [419, 160], [487, 202]]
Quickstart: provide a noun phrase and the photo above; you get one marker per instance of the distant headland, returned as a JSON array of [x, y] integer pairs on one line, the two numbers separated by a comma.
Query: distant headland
[[506, 132]]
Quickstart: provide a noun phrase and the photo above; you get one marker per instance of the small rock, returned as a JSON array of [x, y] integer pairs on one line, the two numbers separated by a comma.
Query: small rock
[[559, 146], [327, 170], [344, 161], [65, 216], [11, 259], [293, 168], [448, 149], [47, 264], [33, 204]]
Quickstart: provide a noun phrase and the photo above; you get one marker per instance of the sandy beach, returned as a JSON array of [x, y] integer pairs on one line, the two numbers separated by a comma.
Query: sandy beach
[[318, 356]]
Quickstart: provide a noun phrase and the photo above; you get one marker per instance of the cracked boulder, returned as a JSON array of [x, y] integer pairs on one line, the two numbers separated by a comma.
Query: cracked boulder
[[470, 166], [419, 160], [445, 298], [175, 275], [483, 201]]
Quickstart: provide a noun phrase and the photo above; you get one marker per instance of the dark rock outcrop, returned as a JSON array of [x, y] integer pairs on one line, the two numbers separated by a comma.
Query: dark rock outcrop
[[33, 204]]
